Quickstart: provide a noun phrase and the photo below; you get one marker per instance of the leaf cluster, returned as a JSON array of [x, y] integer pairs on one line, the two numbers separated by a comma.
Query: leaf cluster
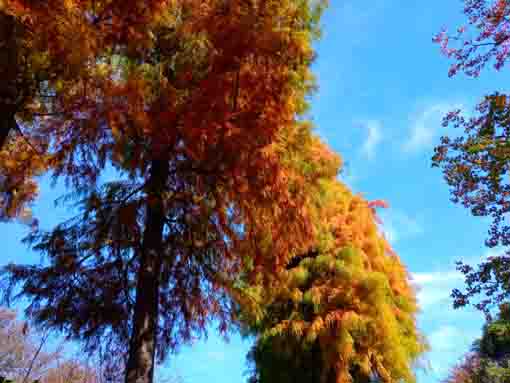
[[344, 311]]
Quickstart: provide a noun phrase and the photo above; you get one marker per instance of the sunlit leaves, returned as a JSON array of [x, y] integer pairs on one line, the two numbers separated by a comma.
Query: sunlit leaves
[[197, 105], [345, 310]]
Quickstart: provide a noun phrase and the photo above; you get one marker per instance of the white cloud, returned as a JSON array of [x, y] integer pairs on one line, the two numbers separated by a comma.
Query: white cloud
[[374, 137], [440, 321], [397, 225], [435, 287], [445, 338], [435, 277], [425, 126], [447, 343]]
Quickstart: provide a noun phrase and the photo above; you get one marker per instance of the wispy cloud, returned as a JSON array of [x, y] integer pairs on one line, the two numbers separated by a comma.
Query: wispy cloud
[[435, 277], [398, 225], [445, 338], [425, 126], [373, 137], [448, 342], [435, 287]]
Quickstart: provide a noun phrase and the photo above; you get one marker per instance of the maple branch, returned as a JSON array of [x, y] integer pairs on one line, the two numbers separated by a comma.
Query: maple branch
[[477, 45], [137, 190]]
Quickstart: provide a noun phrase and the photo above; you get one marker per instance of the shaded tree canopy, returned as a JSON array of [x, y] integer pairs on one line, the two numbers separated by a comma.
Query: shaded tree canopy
[[197, 106], [489, 359]]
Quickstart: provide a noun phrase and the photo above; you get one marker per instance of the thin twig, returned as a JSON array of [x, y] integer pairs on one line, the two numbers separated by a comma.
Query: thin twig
[[43, 341]]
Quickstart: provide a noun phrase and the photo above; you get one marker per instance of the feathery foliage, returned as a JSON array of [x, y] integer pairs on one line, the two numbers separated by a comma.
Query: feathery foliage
[[197, 105], [343, 311]]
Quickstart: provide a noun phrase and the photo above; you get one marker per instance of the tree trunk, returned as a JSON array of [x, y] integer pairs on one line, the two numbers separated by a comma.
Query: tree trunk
[[140, 366], [8, 74], [7, 124], [359, 377]]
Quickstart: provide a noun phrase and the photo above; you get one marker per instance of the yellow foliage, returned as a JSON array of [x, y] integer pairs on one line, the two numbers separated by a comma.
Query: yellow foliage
[[362, 305]]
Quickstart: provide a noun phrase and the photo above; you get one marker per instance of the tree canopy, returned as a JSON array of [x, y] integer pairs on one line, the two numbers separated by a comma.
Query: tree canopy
[[343, 311], [490, 356], [219, 199], [201, 130], [474, 160]]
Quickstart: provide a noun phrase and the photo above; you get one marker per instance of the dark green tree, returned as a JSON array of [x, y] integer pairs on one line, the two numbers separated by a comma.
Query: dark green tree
[[489, 359]]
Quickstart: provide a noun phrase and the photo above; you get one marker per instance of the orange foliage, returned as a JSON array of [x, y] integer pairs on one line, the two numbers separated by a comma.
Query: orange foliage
[[196, 103]]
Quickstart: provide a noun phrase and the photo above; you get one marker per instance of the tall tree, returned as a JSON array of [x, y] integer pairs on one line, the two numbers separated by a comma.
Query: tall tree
[[344, 311], [475, 163], [195, 113]]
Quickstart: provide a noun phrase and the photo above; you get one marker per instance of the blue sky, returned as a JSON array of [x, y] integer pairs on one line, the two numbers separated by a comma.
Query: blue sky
[[383, 90]]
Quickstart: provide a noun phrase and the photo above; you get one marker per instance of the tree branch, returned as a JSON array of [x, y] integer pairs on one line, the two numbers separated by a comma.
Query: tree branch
[[31, 366], [18, 129]]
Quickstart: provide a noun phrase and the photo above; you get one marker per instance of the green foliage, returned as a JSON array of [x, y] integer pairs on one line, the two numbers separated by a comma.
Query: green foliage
[[495, 341], [489, 361], [343, 313]]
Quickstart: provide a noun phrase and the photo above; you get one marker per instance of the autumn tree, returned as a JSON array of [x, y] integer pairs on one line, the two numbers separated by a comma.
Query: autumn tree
[[465, 371], [475, 162], [193, 105], [70, 371], [50, 51], [26, 356], [344, 311], [24, 353], [37, 39]]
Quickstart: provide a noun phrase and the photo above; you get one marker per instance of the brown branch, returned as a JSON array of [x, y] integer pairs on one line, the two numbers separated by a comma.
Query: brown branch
[[41, 345], [18, 129]]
